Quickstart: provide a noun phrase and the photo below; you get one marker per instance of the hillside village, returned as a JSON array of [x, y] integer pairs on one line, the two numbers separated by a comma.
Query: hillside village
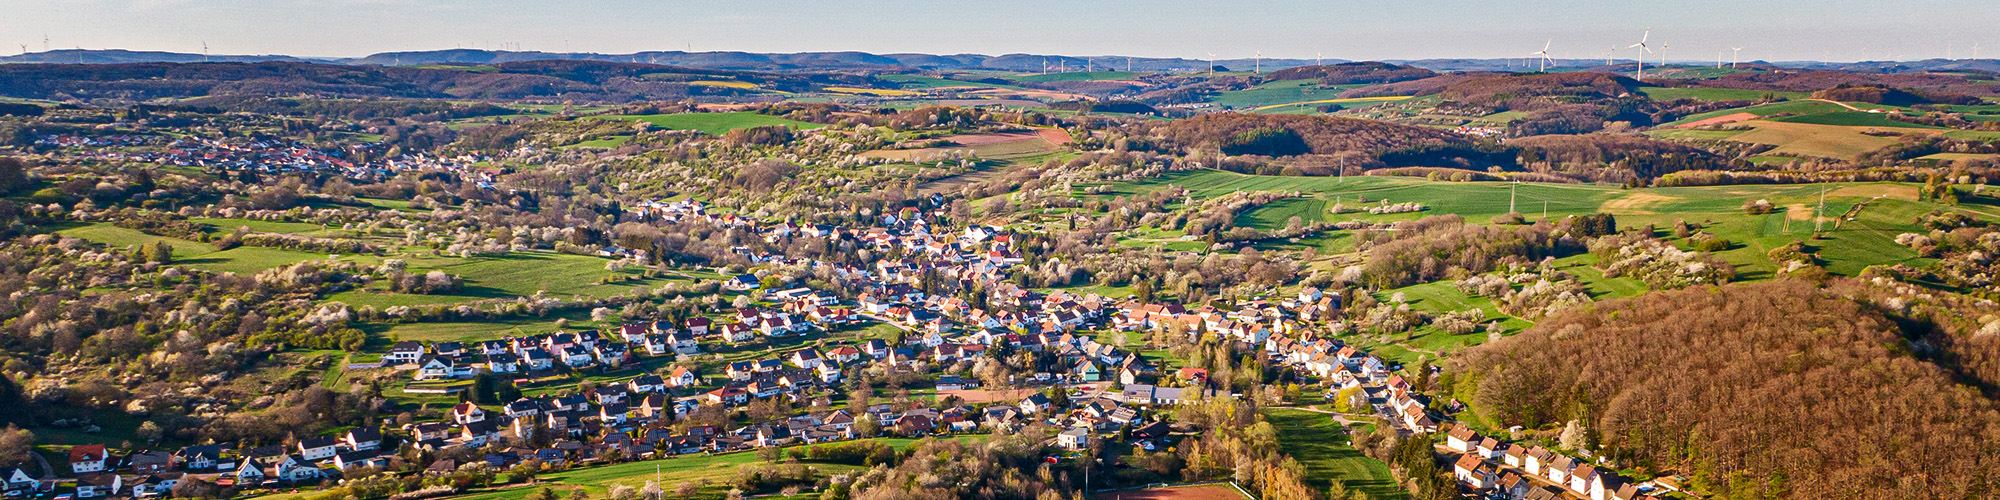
[[1087, 391]]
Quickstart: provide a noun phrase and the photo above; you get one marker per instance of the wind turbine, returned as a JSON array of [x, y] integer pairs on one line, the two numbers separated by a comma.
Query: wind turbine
[[1718, 59], [24, 50], [1544, 54], [1663, 55], [1319, 59], [1640, 74], [1211, 64], [204, 51], [1259, 67], [1735, 54]]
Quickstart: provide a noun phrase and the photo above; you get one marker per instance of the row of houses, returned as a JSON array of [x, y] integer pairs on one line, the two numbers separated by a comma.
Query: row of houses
[[1490, 465]]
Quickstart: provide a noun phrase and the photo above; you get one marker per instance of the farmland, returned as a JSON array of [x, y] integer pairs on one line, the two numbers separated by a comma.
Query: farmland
[[712, 123]]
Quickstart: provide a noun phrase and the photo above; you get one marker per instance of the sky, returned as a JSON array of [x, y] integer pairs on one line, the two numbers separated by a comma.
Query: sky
[[1691, 30]]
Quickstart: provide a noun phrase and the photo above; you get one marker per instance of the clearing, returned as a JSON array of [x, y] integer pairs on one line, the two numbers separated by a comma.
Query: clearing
[[1197, 492]]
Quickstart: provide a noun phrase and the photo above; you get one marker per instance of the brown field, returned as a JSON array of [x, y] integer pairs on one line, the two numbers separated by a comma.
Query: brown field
[[1203, 492], [1021, 103], [985, 146], [1730, 118], [1896, 191], [1635, 204], [976, 396], [1824, 141]]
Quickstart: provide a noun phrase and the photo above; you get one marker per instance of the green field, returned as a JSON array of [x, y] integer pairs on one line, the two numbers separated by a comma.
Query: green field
[[1281, 92], [241, 260], [1714, 94], [1867, 240], [517, 274], [1851, 119], [1076, 76], [930, 82], [712, 123], [1322, 446], [1798, 107]]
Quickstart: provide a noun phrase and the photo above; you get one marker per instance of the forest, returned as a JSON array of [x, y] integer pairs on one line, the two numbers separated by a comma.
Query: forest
[[1771, 390]]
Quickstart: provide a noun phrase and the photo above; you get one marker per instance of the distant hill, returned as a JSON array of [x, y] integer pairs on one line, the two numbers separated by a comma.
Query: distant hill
[[528, 80], [729, 60], [76, 56]]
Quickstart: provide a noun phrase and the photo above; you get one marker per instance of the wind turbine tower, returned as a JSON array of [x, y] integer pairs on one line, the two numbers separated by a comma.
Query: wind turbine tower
[[1544, 54], [204, 51], [1211, 64], [1259, 67], [1640, 73], [1735, 54]]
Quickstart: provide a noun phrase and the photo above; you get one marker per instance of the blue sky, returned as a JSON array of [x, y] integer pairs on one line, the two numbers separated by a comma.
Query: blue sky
[[1693, 29]]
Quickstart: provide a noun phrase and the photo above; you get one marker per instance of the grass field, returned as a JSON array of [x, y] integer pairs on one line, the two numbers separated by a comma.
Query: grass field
[[513, 275], [712, 123], [1799, 107], [1322, 446], [1077, 76], [1278, 93], [1851, 119], [929, 82], [1867, 240], [1713, 94], [1812, 139], [1196, 492], [241, 260]]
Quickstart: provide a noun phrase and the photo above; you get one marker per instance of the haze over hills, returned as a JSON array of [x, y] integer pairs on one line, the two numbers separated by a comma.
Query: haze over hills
[[837, 61]]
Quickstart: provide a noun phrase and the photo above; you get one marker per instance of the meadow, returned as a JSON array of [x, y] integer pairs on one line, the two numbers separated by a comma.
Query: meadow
[[1714, 94], [1278, 93], [712, 123], [1322, 446]]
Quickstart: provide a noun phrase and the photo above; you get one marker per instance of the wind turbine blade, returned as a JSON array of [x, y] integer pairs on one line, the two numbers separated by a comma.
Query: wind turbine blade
[[1634, 46], [1648, 49], [1551, 43]]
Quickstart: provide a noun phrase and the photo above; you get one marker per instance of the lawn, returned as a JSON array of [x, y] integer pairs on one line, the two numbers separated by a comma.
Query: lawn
[[712, 123], [1320, 444]]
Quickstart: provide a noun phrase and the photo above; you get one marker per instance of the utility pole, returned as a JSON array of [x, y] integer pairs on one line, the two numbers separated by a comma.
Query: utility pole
[[1545, 210], [1510, 196], [1819, 213]]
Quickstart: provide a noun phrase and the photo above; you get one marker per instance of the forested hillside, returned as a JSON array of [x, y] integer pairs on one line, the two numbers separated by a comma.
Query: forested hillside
[[1775, 390]]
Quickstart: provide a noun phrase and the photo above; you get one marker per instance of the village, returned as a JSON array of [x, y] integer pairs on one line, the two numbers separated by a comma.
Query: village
[[1089, 390]]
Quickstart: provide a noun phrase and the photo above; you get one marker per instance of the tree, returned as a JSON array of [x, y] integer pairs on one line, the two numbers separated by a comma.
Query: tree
[[13, 175], [687, 489], [545, 493], [1574, 436], [15, 444]]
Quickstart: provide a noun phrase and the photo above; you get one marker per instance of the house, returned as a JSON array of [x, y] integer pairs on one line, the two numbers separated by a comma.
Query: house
[[742, 370], [403, 353], [1087, 371], [538, 359], [359, 458], [98, 484], [464, 413], [87, 458], [1034, 403], [1076, 438], [681, 376], [503, 363], [646, 383], [148, 462], [442, 367], [364, 438], [1461, 439], [201, 458], [18, 479], [951, 383], [318, 448], [844, 354], [1472, 472], [806, 358]]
